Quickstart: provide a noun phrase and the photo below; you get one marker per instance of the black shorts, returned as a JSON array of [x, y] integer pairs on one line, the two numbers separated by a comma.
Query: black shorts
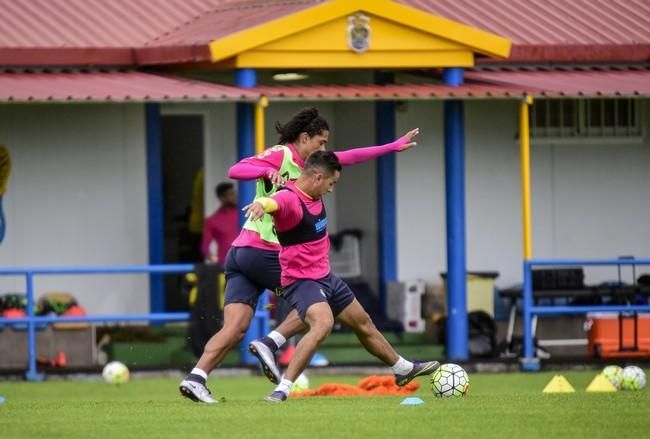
[[250, 271], [304, 293]]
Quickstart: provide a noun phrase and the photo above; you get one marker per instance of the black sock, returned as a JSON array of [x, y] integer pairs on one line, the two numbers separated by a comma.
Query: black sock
[[196, 378], [268, 341]]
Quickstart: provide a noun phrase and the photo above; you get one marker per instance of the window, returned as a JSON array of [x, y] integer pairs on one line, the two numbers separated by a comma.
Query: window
[[585, 118]]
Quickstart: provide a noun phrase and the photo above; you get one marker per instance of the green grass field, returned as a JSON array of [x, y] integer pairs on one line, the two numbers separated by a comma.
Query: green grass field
[[499, 405]]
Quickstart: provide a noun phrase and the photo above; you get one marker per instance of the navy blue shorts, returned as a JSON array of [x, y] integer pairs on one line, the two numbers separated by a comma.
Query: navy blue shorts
[[250, 271], [304, 293]]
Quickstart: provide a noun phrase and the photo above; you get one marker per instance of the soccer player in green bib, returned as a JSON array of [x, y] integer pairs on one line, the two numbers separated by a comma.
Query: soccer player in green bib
[[252, 265]]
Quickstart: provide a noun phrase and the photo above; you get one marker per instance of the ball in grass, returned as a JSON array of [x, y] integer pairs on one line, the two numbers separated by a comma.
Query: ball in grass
[[614, 374], [301, 383], [633, 378], [449, 380], [115, 372]]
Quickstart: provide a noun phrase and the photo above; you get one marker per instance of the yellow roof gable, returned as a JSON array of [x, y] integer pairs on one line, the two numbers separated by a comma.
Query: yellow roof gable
[[358, 33]]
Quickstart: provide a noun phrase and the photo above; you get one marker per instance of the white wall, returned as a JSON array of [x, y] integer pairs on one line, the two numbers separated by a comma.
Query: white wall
[[588, 200], [357, 189], [600, 202], [420, 195], [77, 196]]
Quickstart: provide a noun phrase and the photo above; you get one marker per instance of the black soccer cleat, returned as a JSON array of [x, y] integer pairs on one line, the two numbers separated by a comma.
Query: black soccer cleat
[[419, 368]]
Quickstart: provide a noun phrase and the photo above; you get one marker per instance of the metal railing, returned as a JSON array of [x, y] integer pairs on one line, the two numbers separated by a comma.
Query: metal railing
[[529, 361], [32, 321]]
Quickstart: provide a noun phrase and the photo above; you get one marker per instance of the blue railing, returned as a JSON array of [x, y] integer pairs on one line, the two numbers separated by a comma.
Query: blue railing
[[32, 321], [529, 362]]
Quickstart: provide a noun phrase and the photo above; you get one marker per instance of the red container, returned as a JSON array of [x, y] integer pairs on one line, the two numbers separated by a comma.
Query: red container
[[612, 335]]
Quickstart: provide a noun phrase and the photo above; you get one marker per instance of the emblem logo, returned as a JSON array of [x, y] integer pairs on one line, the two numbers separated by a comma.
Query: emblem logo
[[359, 32]]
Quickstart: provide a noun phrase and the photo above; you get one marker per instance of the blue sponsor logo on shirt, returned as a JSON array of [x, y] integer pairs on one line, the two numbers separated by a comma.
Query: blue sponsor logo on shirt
[[321, 225]]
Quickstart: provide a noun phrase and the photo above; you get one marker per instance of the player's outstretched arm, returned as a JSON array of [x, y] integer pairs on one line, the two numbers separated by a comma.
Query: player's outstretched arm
[[264, 165], [359, 155], [259, 207]]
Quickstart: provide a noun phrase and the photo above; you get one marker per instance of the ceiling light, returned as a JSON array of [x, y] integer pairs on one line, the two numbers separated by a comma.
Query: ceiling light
[[290, 76]]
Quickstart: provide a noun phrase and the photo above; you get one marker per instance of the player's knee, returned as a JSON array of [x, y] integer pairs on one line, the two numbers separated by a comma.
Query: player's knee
[[235, 333], [239, 333], [322, 328]]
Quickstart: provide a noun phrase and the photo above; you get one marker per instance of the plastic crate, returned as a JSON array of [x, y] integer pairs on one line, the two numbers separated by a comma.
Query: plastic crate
[[405, 304]]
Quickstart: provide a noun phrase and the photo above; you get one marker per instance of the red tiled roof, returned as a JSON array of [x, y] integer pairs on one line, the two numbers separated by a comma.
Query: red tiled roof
[[135, 86], [556, 30], [190, 42], [550, 22], [86, 32], [388, 92], [121, 32], [111, 86], [94, 23], [572, 82], [541, 30], [495, 84]]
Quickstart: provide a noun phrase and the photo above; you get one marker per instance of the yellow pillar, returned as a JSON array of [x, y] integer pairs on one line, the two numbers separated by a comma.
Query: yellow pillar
[[524, 140], [259, 124]]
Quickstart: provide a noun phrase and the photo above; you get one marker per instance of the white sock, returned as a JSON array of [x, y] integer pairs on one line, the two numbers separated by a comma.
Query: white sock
[[284, 386], [200, 372], [277, 338], [402, 366]]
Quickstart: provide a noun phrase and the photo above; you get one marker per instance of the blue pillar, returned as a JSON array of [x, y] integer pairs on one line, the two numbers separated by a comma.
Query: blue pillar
[[155, 205], [245, 135], [32, 373], [529, 362], [245, 148], [457, 332], [386, 192]]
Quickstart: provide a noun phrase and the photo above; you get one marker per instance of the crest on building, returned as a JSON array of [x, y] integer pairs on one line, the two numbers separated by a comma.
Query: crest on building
[[359, 32]]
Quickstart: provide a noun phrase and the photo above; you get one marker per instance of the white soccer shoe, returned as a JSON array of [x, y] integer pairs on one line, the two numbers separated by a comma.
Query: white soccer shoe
[[266, 359], [197, 392]]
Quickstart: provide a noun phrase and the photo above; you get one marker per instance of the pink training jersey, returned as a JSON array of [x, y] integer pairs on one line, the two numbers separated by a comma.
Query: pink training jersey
[[261, 165], [300, 261], [222, 226]]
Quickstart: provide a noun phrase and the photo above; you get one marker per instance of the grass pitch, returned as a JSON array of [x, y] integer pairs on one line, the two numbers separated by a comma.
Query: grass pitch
[[498, 405]]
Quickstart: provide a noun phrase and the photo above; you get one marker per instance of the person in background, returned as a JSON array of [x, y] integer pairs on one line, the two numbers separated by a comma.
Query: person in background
[[222, 227]]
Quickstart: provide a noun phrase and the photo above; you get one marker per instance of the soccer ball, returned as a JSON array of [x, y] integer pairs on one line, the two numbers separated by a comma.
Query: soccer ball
[[115, 372], [301, 383], [449, 380], [614, 374], [633, 378]]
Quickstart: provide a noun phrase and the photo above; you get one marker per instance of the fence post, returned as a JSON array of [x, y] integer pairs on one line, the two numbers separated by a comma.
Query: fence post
[[529, 362], [32, 374]]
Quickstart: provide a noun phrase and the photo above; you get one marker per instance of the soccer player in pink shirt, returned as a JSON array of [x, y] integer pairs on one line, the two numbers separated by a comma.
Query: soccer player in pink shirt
[[317, 294], [252, 264]]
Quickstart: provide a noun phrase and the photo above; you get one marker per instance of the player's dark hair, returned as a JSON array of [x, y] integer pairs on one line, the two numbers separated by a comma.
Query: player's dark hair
[[306, 120], [221, 189], [324, 161]]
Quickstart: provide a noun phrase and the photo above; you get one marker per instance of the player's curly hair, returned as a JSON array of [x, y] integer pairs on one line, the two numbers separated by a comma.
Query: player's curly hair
[[306, 120]]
